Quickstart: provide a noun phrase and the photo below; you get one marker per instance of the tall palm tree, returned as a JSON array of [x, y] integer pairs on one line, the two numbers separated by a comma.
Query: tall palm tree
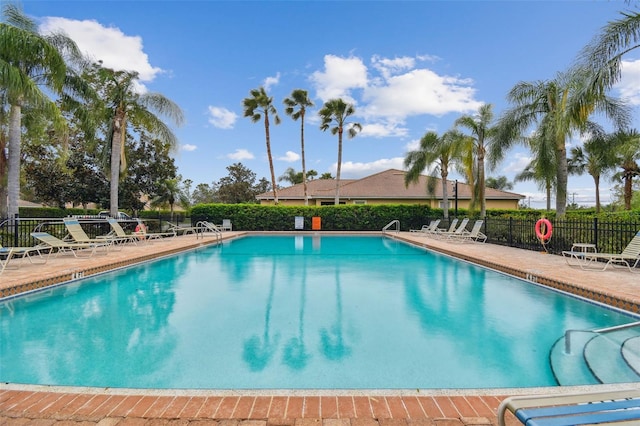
[[481, 134], [299, 99], [542, 168], [627, 151], [335, 112], [126, 108], [435, 154], [28, 61], [602, 57], [257, 106], [595, 157], [558, 108]]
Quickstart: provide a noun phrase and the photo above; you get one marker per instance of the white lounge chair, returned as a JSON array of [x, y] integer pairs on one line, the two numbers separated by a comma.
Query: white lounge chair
[[462, 227], [428, 229], [452, 227], [474, 235], [77, 234], [9, 253], [74, 248], [629, 257]]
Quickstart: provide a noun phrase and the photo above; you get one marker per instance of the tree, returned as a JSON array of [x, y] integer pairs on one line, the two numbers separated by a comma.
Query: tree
[[602, 57], [595, 157], [435, 154], [239, 186], [558, 108], [257, 106], [127, 110], [542, 168], [481, 134], [326, 175], [627, 150], [294, 178], [28, 61], [204, 194], [500, 183], [335, 112], [170, 193], [300, 99]]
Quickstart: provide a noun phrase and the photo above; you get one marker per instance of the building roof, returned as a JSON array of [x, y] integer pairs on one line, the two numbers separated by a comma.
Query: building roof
[[386, 184]]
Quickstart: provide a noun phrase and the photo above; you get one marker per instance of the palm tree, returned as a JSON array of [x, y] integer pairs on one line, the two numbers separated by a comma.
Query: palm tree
[[481, 134], [558, 108], [542, 168], [126, 107], [627, 150], [28, 60], [595, 157], [170, 193], [336, 112], [435, 154], [300, 99], [257, 106], [602, 57]]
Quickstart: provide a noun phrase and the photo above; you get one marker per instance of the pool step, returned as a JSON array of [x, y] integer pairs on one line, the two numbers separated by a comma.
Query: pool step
[[589, 357], [603, 355]]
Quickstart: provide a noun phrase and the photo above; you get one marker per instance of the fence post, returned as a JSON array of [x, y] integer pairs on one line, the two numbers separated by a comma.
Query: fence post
[[16, 233], [595, 231]]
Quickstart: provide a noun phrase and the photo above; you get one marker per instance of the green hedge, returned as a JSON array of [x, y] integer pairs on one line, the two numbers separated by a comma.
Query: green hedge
[[252, 217]]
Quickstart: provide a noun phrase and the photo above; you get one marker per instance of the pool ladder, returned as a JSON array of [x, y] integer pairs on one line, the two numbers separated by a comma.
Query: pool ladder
[[209, 227], [388, 226]]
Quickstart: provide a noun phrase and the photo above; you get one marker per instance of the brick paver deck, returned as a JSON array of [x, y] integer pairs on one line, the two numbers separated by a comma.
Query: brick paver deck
[[42, 405]]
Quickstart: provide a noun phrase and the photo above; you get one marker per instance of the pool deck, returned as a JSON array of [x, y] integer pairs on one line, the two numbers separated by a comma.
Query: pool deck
[[48, 405]]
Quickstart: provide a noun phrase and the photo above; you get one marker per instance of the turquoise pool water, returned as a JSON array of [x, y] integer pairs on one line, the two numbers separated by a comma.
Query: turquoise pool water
[[284, 312]]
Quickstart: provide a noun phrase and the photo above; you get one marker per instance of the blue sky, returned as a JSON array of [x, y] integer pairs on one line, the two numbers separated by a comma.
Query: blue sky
[[407, 66]]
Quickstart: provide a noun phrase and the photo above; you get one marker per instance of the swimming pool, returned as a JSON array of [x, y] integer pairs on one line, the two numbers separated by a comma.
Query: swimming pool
[[293, 312]]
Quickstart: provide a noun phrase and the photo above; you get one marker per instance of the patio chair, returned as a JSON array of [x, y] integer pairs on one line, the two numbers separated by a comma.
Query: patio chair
[[22, 253], [74, 248], [452, 227], [629, 257], [474, 235], [226, 225], [615, 407], [77, 234], [117, 231], [462, 226], [428, 229]]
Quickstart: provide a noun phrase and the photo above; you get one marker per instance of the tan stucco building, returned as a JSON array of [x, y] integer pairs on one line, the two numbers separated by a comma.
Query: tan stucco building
[[387, 188]]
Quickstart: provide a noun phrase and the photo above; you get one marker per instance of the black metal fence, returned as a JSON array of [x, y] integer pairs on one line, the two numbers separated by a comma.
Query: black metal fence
[[17, 232], [608, 237]]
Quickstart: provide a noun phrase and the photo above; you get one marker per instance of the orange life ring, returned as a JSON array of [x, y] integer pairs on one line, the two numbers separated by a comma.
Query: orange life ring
[[548, 229]]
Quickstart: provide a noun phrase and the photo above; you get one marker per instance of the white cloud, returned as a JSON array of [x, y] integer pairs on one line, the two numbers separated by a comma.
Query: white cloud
[[188, 147], [339, 78], [290, 157], [351, 170], [222, 118], [271, 81], [393, 89], [419, 91], [241, 154], [109, 44], [518, 162], [629, 84], [383, 129]]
